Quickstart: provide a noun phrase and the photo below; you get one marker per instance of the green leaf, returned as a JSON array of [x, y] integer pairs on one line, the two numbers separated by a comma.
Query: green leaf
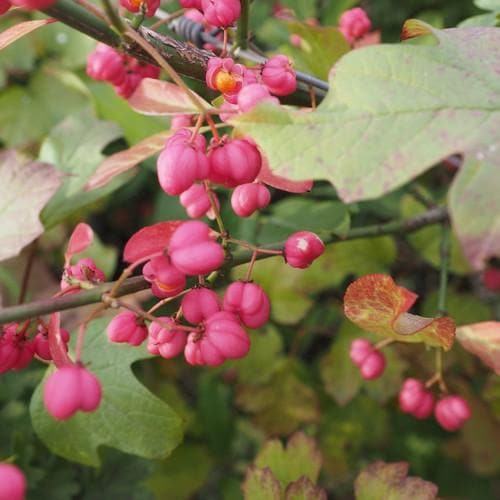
[[260, 484], [182, 474], [304, 489], [490, 19], [129, 418], [281, 405], [27, 113], [488, 4], [303, 9], [474, 207], [427, 240], [301, 457], [321, 47], [390, 481], [25, 189], [392, 112], [75, 146]]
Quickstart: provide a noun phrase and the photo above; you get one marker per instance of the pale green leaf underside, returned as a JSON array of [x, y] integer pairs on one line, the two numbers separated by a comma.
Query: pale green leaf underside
[[393, 111]]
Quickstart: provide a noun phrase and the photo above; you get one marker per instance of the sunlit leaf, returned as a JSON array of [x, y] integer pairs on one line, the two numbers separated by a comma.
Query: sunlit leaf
[[19, 30], [483, 340], [376, 304], [260, 484]]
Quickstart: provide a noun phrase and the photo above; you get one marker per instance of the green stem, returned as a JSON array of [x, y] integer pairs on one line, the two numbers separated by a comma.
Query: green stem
[[444, 268], [113, 16], [243, 21], [135, 284]]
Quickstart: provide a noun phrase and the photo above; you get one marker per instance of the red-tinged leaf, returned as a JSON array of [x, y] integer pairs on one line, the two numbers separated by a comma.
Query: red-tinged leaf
[[125, 160], [377, 305], [278, 182], [304, 489], [382, 480], [414, 28], [80, 240], [158, 98], [260, 484], [483, 340], [12, 34], [149, 240]]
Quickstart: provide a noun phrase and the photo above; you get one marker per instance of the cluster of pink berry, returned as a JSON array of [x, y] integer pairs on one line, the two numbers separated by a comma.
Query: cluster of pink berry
[[451, 412], [220, 13], [122, 71], [354, 24], [12, 482], [216, 327], [5, 5]]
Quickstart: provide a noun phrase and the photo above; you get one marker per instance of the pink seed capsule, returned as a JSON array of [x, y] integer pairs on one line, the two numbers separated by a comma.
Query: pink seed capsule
[[354, 24], [221, 13], [360, 349], [69, 389], [199, 304], [41, 342], [193, 251], [190, 4], [373, 366], [136, 6], [163, 341], [452, 412], [106, 64], [249, 302], [196, 201], [302, 248], [12, 483], [5, 5], [234, 162], [279, 76], [253, 94], [248, 198], [166, 280], [33, 4], [126, 327], [84, 271], [415, 399]]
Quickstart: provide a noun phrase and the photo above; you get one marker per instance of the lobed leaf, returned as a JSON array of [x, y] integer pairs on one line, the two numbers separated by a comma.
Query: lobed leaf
[[376, 304], [483, 340], [25, 189], [260, 484], [149, 240], [390, 481], [304, 489]]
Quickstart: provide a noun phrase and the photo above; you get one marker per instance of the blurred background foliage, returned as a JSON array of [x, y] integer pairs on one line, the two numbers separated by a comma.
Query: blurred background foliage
[[298, 376]]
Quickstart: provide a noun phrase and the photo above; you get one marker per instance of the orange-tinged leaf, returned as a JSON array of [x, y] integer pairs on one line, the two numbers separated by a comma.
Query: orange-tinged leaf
[[483, 340], [17, 31], [125, 160], [159, 98], [414, 28], [376, 304], [149, 240]]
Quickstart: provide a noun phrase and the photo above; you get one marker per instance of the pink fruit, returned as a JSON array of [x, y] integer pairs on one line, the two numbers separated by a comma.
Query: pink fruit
[[279, 76], [234, 162], [12, 483], [69, 389], [491, 279], [5, 5], [182, 162], [33, 4], [128, 85], [199, 304], [452, 412], [373, 366], [354, 24], [221, 13], [247, 198], [136, 5], [16, 351], [180, 121], [126, 327], [226, 76], [196, 201], [302, 248], [249, 302], [190, 4], [106, 64], [223, 338], [360, 349], [85, 271], [415, 399], [193, 251], [41, 342], [163, 341], [166, 280], [253, 94]]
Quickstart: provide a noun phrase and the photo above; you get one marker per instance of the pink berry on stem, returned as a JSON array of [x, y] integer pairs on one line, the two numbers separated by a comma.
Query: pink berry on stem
[[41, 342], [12, 482], [354, 24], [360, 349], [106, 64], [249, 302], [190, 4], [69, 389], [226, 76], [221, 13], [248, 198], [415, 399], [199, 304], [166, 280], [253, 94], [33, 4], [163, 341], [193, 251], [5, 5], [302, 248], [452, 412], [196, 201], [279, 76], [373, 366], [84, 271], [126, 327], [136, 5]]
